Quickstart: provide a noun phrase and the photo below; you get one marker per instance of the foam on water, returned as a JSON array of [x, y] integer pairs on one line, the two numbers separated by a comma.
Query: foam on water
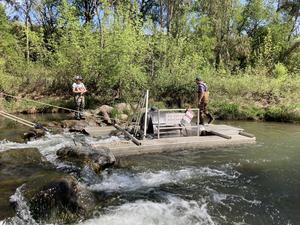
[[49, 144], [174, 211], [23, 215], [129, 182]]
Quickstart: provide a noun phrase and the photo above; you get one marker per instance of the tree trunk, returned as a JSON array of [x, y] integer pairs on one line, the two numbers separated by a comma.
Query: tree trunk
[[27, 11], [161, 14]]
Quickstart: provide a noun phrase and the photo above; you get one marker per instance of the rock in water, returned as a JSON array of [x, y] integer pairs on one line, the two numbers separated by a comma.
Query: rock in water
[[57, 198], [78, 125], [96, 159], [18, 158], [33, 134], [50, 195]]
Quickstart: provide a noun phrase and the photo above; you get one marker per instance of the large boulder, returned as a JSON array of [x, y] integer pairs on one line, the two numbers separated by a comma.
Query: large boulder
[[96, 159], [18, 158], [56, 198], [34, 133], [105, 112], [123, 117], [123, 108], [78, 125], [51, 196], [104, 108]]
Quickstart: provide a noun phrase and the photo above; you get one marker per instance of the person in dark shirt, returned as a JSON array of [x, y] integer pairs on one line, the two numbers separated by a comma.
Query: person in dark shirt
[[202, 100]]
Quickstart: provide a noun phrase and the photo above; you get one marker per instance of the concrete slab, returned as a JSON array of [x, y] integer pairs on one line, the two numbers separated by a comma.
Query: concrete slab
[[99, 131], [178, 143]]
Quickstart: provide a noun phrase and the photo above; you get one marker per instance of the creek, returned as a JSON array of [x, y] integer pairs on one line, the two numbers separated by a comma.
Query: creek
[[251, 184]]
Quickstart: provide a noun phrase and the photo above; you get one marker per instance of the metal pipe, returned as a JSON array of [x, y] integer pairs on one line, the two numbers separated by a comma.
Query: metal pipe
[[220, 135], [198, 121], [16, 120], [170, 110], [243, 133], [13, 116], [127, 134], [146, 113], [158, 127]]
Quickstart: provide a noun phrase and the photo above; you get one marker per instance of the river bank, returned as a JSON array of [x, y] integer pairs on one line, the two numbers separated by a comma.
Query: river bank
[[222, 109]]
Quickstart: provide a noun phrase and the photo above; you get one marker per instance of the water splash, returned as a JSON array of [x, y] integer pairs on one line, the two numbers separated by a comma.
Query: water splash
[[49, 144], [174, 211], [129, 182], [23, 215]]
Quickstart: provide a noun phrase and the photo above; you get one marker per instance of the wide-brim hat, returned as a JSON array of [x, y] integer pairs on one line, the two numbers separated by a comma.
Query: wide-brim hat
[[78, 78]]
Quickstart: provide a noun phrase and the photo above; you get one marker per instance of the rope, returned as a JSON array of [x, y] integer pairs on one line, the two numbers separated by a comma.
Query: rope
[[42, 103]]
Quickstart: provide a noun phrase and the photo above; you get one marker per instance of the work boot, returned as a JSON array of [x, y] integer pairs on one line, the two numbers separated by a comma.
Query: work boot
[[210, 118], [201, 119]]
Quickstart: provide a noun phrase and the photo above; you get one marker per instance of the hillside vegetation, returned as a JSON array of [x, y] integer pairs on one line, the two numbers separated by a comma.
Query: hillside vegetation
[[247, 51]]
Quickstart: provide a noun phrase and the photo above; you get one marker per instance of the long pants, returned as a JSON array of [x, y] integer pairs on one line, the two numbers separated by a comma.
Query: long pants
[[80, 103], [204, 111]]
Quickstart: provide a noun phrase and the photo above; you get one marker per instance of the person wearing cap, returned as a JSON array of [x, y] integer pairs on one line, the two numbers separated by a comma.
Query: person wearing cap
[[203, 94], [78, 91]]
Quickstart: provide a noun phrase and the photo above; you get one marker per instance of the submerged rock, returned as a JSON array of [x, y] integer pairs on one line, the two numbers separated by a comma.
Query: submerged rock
[[33, 134], [57, 198], [51, 196], [96, 159]]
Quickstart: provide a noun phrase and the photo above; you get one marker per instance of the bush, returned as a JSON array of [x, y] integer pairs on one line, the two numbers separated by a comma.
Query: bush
[[280, 70]]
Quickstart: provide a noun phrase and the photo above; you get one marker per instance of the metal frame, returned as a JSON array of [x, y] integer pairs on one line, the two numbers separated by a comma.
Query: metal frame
[[174, 110], [146, 113]]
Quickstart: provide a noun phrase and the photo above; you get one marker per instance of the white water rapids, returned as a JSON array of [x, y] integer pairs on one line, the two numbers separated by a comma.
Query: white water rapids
[[171, 210], [239, 186]]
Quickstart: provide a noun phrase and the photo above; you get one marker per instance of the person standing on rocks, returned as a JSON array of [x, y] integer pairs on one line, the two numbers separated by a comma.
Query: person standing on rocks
[[79, 90], [203, 94]]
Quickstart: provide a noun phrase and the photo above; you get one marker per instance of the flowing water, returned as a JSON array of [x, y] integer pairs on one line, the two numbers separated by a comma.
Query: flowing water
[[252, 184]]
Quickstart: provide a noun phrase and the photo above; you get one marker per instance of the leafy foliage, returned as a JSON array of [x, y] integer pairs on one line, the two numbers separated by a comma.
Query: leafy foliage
[[242, 48]]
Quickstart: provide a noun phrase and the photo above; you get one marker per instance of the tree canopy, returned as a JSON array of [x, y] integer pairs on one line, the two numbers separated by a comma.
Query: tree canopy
[[124, 46]]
